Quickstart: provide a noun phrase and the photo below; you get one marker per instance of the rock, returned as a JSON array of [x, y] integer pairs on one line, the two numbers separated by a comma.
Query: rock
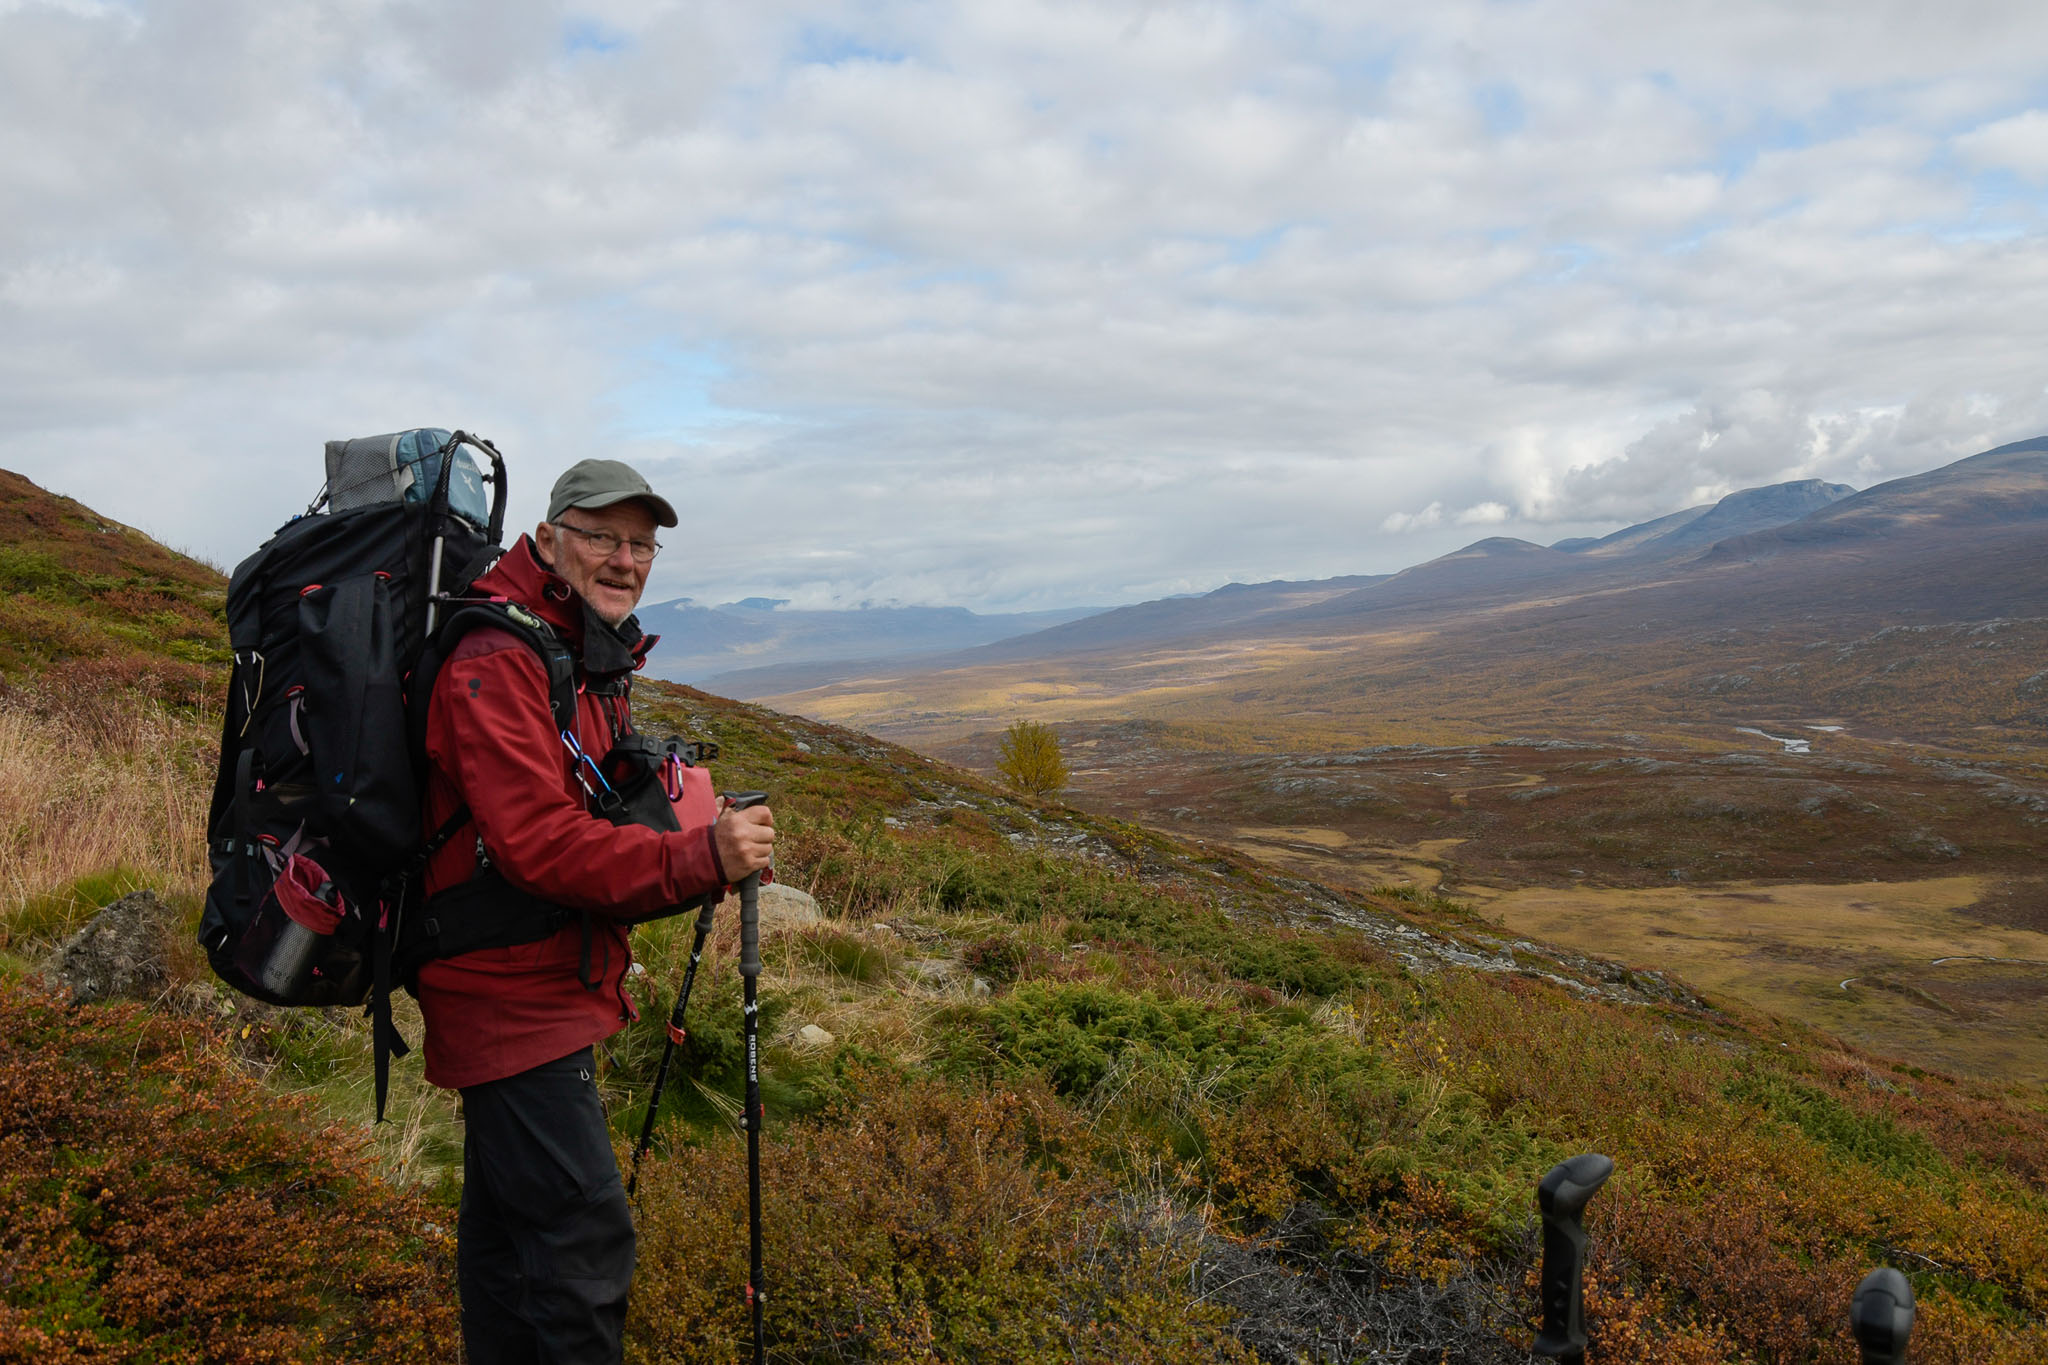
[[981, 986], [933, 971], [785, 907], [810, 1035], [121, 952]]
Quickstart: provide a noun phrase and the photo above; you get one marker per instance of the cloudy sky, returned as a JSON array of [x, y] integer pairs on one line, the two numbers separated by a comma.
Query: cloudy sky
[[1022, 303]]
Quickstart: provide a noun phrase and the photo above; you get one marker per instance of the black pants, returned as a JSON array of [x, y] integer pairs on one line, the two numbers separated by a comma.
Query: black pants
[[544, 1246]]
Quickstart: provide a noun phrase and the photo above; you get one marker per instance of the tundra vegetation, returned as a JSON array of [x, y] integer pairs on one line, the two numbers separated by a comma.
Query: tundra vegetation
[[1091, 1093]]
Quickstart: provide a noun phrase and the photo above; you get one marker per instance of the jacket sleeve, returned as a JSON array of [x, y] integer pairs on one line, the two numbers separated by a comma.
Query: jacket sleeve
[[490, 732]]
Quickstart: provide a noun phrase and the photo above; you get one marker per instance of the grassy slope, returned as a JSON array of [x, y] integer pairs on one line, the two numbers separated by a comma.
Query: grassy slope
[[1200, 1108], [88, 603]]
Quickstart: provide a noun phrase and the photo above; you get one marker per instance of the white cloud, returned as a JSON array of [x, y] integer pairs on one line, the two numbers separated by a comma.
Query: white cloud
[[1400, 523], [1027, 302], [2018, 144]]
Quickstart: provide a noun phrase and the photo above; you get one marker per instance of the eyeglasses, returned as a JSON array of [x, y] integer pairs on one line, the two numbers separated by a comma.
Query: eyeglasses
[[606, 544]]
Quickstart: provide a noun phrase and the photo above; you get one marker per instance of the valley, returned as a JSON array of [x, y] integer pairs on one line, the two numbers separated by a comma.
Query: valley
[[1792, 747], [1876, 889]]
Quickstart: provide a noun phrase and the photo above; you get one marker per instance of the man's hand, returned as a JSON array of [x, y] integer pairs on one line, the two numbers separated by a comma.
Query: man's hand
[[745, 839]]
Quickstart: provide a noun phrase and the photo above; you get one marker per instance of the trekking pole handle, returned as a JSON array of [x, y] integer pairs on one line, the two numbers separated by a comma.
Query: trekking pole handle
[[1881, 1317], [750, 895], [1562, 1197], [750, 925]]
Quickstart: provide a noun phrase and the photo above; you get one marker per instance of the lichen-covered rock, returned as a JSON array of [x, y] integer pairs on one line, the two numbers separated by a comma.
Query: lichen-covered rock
[[121, 953]]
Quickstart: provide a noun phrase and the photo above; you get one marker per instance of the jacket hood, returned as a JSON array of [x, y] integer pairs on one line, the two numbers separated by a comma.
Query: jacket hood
[[520, 576]]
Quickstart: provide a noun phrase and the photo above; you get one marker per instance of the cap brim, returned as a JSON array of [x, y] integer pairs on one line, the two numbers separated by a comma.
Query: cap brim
[[664, 515]]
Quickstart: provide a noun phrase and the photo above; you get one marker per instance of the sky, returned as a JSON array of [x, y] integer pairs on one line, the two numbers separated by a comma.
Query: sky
[[1021, 304]]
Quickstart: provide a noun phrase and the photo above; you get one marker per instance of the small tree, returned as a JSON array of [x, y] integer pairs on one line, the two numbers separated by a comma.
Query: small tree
[[1031, 761]]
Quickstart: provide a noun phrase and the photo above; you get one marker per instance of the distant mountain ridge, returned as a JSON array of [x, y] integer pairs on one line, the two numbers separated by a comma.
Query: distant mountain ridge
[[1747, 511], [758, 648], [2004, 486], [698, 642], [1659, 623], [1485, 565]]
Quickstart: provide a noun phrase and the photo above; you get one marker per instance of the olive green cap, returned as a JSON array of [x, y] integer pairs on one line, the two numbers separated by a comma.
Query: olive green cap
[[600, 483]]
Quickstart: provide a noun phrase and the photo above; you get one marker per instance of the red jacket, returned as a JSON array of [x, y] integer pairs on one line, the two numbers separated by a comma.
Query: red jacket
[[492, 742]]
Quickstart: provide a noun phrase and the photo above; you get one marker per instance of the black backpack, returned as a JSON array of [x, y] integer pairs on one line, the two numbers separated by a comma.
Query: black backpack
[[316, 802]]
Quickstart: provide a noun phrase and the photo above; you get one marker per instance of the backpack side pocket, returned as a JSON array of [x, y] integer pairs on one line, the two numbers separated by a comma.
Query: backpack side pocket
[[355, 719]]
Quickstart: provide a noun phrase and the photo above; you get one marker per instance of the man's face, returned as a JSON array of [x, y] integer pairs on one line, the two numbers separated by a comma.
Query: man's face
[[612, 583]]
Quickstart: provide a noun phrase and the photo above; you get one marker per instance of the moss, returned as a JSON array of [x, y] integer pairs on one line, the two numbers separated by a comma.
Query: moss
[[1869, 1139], [50, 916]]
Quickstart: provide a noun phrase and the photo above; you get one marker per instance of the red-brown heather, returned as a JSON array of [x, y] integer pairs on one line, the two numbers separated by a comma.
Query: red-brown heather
[[162, 1205]]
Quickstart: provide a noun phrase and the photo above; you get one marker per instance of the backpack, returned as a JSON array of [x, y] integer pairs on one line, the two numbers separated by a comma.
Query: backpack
[[338, 625], [316, 800]]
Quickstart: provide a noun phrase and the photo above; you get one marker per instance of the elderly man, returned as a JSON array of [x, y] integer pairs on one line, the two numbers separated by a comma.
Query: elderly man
[[545, 1247]]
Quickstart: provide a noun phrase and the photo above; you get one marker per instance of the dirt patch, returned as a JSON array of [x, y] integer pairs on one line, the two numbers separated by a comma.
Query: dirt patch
[[2014, 903]]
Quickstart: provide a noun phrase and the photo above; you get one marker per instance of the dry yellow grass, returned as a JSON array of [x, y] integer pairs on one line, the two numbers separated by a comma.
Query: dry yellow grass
[[1858, 959], [1334, 856], [110, 782]]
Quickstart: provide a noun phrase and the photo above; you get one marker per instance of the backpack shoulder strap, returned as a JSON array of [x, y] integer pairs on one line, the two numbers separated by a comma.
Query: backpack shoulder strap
[[556, 656], [407, 937]]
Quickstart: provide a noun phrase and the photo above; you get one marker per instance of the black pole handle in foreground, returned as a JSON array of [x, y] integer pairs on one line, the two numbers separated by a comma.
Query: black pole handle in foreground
[[1562, 1197], [1881, 1317]]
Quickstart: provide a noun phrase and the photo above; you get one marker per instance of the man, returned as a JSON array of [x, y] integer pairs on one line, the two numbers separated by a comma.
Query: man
[[545, 1245]]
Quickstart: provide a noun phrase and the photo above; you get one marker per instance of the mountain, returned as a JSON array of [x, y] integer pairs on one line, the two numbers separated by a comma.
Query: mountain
[[1999, 488], [1750, 510], [699, 642], [1500, 568], [1629, 537], [737, 651], [1232, 606], [1816, 601]]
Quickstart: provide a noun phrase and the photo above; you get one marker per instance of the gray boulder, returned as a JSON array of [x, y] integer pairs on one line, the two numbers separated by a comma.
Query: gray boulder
[[785, 907], [122, 952]]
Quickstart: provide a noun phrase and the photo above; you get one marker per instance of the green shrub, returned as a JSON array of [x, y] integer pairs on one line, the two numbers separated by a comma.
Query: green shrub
[[1871, 1139]]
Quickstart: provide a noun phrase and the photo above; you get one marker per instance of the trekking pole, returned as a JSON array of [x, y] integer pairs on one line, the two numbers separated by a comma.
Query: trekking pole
[[1562, 1197], [750, 972], [1881, 1317], [676, 1036]]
